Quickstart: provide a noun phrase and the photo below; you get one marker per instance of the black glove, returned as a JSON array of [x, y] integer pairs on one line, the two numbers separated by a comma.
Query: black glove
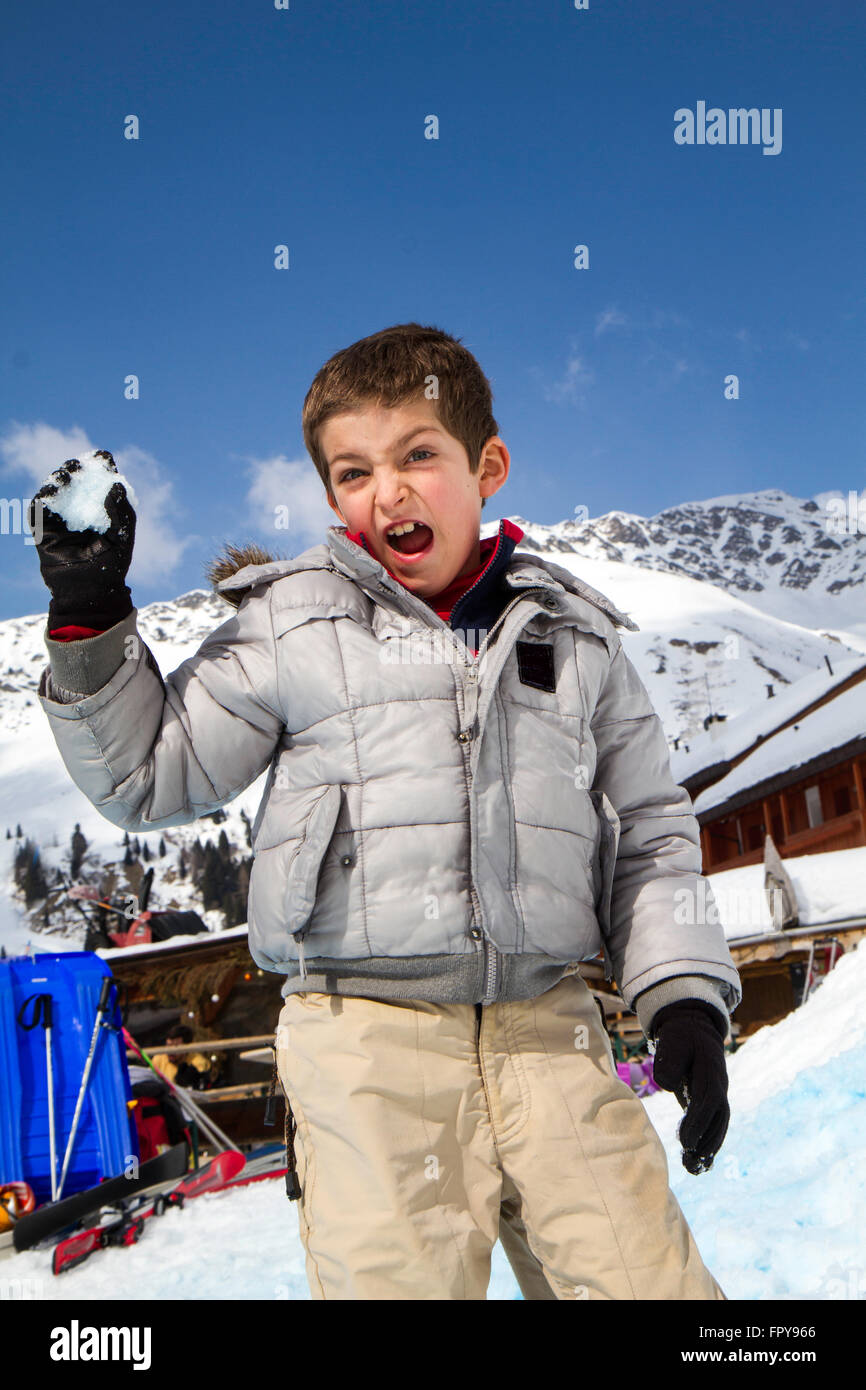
[[690, 1061], [85, 570]]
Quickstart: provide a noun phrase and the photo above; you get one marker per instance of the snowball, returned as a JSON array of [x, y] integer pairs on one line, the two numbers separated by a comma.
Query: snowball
[[81, 501]]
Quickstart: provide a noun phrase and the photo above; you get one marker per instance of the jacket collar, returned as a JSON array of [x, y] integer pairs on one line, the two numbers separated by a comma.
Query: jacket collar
[[521, 570], [566, 594], [496, 553]]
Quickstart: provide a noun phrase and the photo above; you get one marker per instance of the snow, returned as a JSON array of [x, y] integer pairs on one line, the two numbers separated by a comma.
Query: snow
[[780, 1215], [80, 502], [702, 650], [723, 741], [832, 725], [173, 943], [794, 558], [829, 888]]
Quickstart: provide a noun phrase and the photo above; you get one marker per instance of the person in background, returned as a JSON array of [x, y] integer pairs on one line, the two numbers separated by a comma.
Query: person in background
[[159, 1120], [190, 1069]]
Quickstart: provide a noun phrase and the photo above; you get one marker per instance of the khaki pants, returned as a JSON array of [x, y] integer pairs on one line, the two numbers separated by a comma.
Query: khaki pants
[[426, 1131]]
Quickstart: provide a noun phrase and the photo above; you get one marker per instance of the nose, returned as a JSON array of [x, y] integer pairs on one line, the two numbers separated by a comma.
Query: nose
[[390, 491]]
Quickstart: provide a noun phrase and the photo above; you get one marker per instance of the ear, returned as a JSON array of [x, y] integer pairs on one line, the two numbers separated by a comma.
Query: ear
[[334, 508]]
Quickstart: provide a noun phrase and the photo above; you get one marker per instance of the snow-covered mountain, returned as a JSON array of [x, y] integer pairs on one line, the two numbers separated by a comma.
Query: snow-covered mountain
[[800, 560], [714, 633]]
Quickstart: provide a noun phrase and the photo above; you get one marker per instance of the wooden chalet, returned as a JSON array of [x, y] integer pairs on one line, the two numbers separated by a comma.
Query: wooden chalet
[[800, 775], [211, 984]]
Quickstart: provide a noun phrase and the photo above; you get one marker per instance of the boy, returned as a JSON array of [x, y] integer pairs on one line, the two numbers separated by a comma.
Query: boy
[[469, 793]]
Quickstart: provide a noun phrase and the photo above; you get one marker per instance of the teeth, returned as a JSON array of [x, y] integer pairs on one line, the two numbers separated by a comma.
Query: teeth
[[401, 529]]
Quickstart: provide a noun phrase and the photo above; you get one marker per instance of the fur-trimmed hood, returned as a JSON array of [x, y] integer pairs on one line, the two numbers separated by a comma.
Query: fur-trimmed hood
[[232, 559]]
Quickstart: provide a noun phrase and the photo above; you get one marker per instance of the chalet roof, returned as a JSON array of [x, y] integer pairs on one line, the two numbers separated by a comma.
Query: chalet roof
[[827, 736], [174, 944], [710, 754]]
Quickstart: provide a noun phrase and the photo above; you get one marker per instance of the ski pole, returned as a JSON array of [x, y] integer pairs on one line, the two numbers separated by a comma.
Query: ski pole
[[42, 1014], [101, 1007], [186, 1102]]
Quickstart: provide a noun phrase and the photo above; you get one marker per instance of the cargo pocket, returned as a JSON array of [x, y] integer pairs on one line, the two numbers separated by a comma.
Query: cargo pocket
[[608, 822], [302, 874]]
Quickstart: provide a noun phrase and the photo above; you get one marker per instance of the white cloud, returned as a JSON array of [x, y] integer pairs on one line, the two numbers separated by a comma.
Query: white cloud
[[286, 503], [567, 388], [38, 449], [611, 318]]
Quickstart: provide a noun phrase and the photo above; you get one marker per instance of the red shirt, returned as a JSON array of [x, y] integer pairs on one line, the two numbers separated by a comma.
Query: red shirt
[[72, 633], [444, 602]]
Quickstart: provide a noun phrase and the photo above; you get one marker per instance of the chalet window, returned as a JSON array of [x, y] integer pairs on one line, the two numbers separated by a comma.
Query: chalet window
[[723, 844], [755, 836], [813, 805], [841, 800]]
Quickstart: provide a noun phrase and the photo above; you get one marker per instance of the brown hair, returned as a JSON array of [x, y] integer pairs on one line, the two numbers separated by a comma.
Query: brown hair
[[393, 367]]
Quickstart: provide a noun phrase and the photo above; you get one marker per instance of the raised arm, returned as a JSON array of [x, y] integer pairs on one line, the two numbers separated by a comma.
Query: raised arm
[[148, 752]]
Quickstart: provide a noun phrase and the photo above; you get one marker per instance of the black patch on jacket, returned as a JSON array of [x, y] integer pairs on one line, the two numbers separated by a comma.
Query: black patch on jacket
[[535, 664]]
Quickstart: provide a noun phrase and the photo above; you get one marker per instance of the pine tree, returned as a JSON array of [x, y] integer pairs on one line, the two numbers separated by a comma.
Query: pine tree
[[35, 886], [8, 833], [196, 860], [126, 837], [211, 881], [29, 873], [18, 832], [247, 827], [136, 847], [223, 846], [145, 853], [161, 847]]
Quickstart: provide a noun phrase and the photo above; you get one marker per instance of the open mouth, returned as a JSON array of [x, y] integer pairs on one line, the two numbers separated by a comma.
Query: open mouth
[[411, 544]]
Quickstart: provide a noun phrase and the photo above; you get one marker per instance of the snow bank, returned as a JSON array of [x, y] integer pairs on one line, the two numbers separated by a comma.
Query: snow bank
[[782, 1211]]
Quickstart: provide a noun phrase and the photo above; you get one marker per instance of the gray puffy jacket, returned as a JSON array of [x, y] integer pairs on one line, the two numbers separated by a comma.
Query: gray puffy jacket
[[433, 825]]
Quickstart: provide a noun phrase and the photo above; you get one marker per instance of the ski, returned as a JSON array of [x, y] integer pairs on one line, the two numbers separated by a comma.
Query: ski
[[127, 1227], [255, 1177], [54, 1217]]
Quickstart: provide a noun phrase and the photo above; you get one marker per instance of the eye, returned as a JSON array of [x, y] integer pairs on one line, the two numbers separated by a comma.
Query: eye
[[344, 477]]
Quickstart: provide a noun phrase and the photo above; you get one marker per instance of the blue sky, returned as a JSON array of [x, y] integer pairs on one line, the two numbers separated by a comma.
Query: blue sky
[[305, 126]]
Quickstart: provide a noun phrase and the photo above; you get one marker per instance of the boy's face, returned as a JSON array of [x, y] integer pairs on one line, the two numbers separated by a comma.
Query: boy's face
[[426, 478]]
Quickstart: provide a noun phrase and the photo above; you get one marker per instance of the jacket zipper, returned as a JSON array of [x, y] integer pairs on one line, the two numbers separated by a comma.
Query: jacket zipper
[[491, 955], [492, 959], [477, 914]]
